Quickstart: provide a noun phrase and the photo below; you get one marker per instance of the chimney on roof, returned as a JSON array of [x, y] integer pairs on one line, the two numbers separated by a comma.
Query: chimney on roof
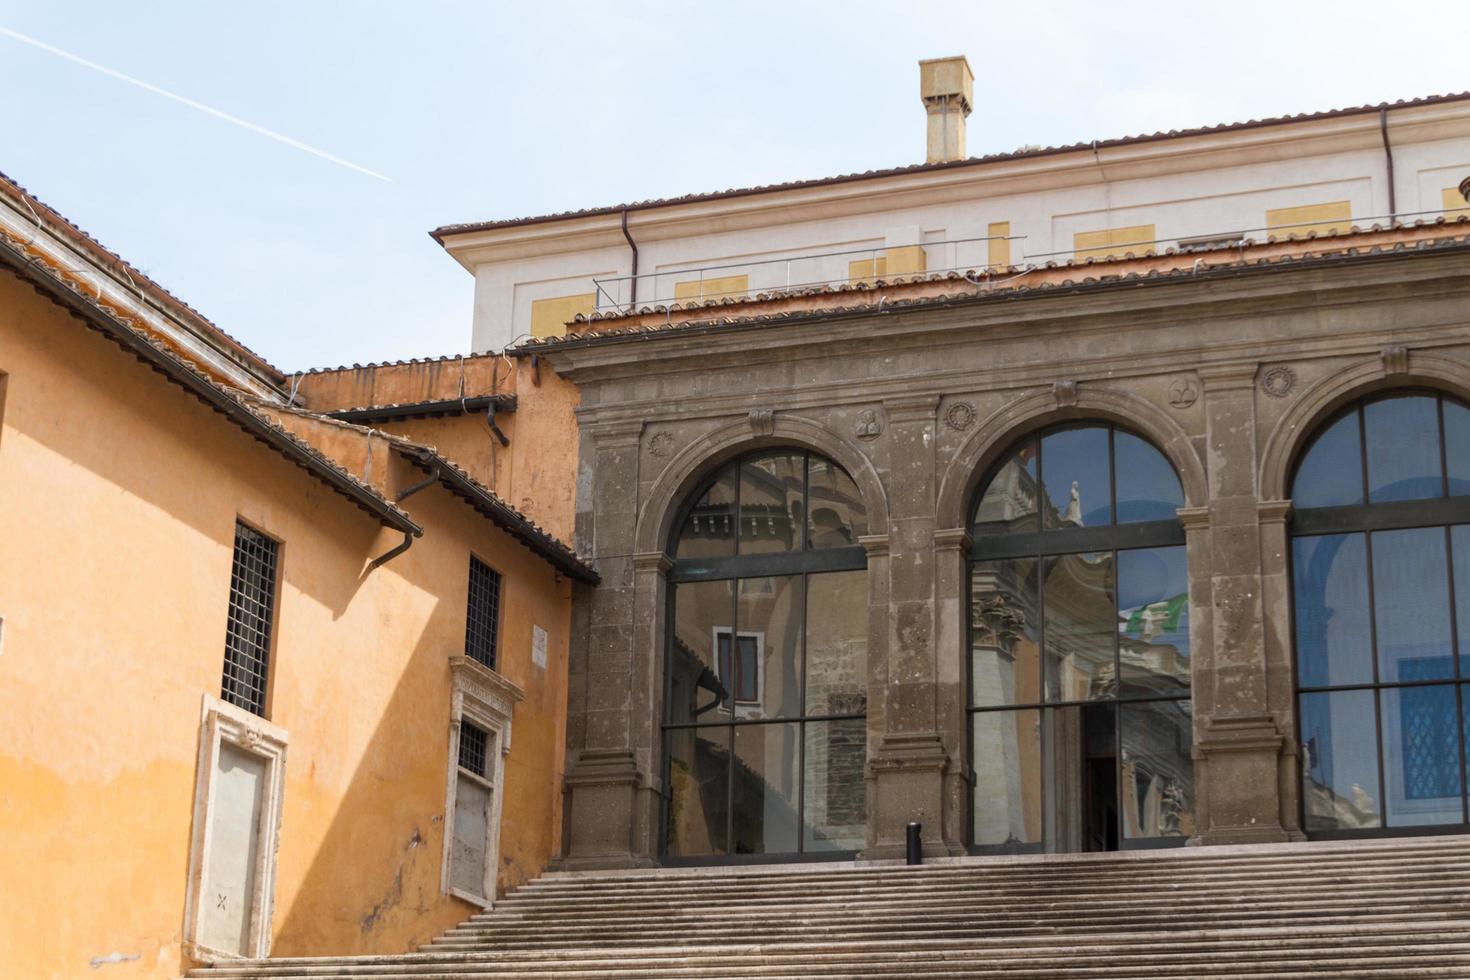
[[946, 86]]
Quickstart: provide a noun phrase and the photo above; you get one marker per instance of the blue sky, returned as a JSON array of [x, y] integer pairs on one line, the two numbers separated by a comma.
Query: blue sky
[[490, 110]]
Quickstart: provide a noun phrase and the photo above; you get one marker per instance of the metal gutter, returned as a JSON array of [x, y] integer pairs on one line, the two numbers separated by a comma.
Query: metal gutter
[[180, 373], [416, 410], [501, 514]]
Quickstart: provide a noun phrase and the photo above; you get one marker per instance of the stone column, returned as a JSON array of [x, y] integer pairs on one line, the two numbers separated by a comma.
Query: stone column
[[1238, 741], [951, 636], [909, 762], [607, 782]]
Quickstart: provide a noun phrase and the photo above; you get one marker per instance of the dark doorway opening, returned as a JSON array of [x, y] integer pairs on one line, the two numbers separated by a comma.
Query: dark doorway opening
[[1100, 779]]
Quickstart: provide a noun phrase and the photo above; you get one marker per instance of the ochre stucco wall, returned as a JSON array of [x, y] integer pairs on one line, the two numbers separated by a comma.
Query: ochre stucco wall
[[536, 473], [119, 495]]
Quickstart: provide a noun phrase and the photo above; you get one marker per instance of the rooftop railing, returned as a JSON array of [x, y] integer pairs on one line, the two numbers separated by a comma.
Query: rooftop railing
[[847, 266]]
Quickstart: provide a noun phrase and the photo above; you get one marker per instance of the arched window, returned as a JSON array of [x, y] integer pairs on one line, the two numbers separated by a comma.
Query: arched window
[[766, 671], [1079, 647], [1381, 600]]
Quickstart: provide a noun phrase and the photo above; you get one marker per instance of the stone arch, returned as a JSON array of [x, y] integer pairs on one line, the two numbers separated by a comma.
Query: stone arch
[[701, 457], [1307, 413], [999, 432]]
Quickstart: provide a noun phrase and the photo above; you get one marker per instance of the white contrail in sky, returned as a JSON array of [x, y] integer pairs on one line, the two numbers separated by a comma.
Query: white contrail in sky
[[191, 103]]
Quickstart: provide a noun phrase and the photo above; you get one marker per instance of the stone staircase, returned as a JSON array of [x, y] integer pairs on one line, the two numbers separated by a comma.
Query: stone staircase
[[1395, 909]]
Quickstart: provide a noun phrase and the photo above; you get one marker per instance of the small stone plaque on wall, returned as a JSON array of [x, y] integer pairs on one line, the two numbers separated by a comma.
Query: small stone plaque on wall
[[538, 647]]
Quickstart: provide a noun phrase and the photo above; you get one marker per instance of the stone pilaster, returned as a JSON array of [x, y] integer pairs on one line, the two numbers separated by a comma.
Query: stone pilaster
[[1238, 742], [910, 757], [607, 780]]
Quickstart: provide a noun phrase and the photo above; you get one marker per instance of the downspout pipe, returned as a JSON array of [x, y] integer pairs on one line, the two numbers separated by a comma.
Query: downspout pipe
[[388, 556], [633, 280], [408, 536], [1393, 207]]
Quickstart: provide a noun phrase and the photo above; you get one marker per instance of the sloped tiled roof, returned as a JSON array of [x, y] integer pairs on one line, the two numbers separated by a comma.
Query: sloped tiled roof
[[111, 261], [444, 231], [64, 289], [975, 287]]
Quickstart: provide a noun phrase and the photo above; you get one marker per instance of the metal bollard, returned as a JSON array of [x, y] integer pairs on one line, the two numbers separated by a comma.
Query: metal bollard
[[915, 849]]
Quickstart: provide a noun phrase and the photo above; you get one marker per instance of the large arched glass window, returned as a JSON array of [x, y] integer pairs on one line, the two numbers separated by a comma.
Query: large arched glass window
[[1079, 647], [1381, 601], [766, 671]]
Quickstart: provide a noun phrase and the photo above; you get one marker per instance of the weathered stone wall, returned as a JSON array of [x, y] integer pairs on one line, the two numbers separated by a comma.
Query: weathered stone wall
[[1227, 378]]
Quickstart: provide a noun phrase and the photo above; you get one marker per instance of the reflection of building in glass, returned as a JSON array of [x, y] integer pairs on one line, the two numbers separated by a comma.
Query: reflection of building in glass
[[1079, 654], [767, 670]]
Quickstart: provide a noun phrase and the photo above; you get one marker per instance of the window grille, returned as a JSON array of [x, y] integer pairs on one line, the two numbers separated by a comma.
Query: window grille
[[252, 609], [472, 740], [482, 624]]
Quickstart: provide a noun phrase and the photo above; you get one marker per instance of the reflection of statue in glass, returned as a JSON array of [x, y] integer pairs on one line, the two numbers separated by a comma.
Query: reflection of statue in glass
[[1074, 507]]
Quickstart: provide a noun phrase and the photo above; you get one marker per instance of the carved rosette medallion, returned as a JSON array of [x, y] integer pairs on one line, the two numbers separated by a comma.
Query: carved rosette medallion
[[1278, 381], [1183, 392], [661, 445], [960, 416]]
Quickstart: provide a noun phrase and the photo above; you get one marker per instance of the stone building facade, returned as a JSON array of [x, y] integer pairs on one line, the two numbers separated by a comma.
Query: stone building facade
[[1228, 368]]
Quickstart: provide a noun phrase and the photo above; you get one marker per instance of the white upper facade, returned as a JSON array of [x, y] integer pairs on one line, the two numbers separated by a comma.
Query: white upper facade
[[1293, 176]]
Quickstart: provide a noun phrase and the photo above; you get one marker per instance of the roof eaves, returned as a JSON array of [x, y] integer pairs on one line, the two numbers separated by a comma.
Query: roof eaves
[[444, 231], [369, 414], [113, 262], [1224, 270], [503, 515], [186, 376]]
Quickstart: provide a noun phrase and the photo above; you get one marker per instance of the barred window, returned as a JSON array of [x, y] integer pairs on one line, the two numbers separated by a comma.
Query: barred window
[[252, 611], [472, 748], [482, 623]]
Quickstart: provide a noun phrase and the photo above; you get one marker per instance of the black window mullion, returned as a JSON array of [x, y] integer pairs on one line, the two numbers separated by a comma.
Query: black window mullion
[[1377, 674], [1112, 480]]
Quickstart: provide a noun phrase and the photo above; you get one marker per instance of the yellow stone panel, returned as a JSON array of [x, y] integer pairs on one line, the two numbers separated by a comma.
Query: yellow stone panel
[[999, 247], [1109, 243], [549, 316], [1455, 205], [1309, 218], [906, 261], [698, 290]]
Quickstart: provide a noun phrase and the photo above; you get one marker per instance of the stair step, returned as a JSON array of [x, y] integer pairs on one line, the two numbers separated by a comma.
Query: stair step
[[1371, 910]]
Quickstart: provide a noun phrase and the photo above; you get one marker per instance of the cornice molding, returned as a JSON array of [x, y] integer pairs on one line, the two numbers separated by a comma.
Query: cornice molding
[[1063, 168]]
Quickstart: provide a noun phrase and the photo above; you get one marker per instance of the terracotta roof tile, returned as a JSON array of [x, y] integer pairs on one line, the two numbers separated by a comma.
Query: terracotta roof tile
[[977, 287], [65, 289], [111, 260]]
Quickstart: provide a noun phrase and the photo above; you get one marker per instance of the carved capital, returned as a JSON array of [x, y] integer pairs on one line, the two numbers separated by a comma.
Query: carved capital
[[1231, 376], [1273, 511], [1194, 518], [616, 435], [952, 539], [652, 561], [912, 408], [876, 545]]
